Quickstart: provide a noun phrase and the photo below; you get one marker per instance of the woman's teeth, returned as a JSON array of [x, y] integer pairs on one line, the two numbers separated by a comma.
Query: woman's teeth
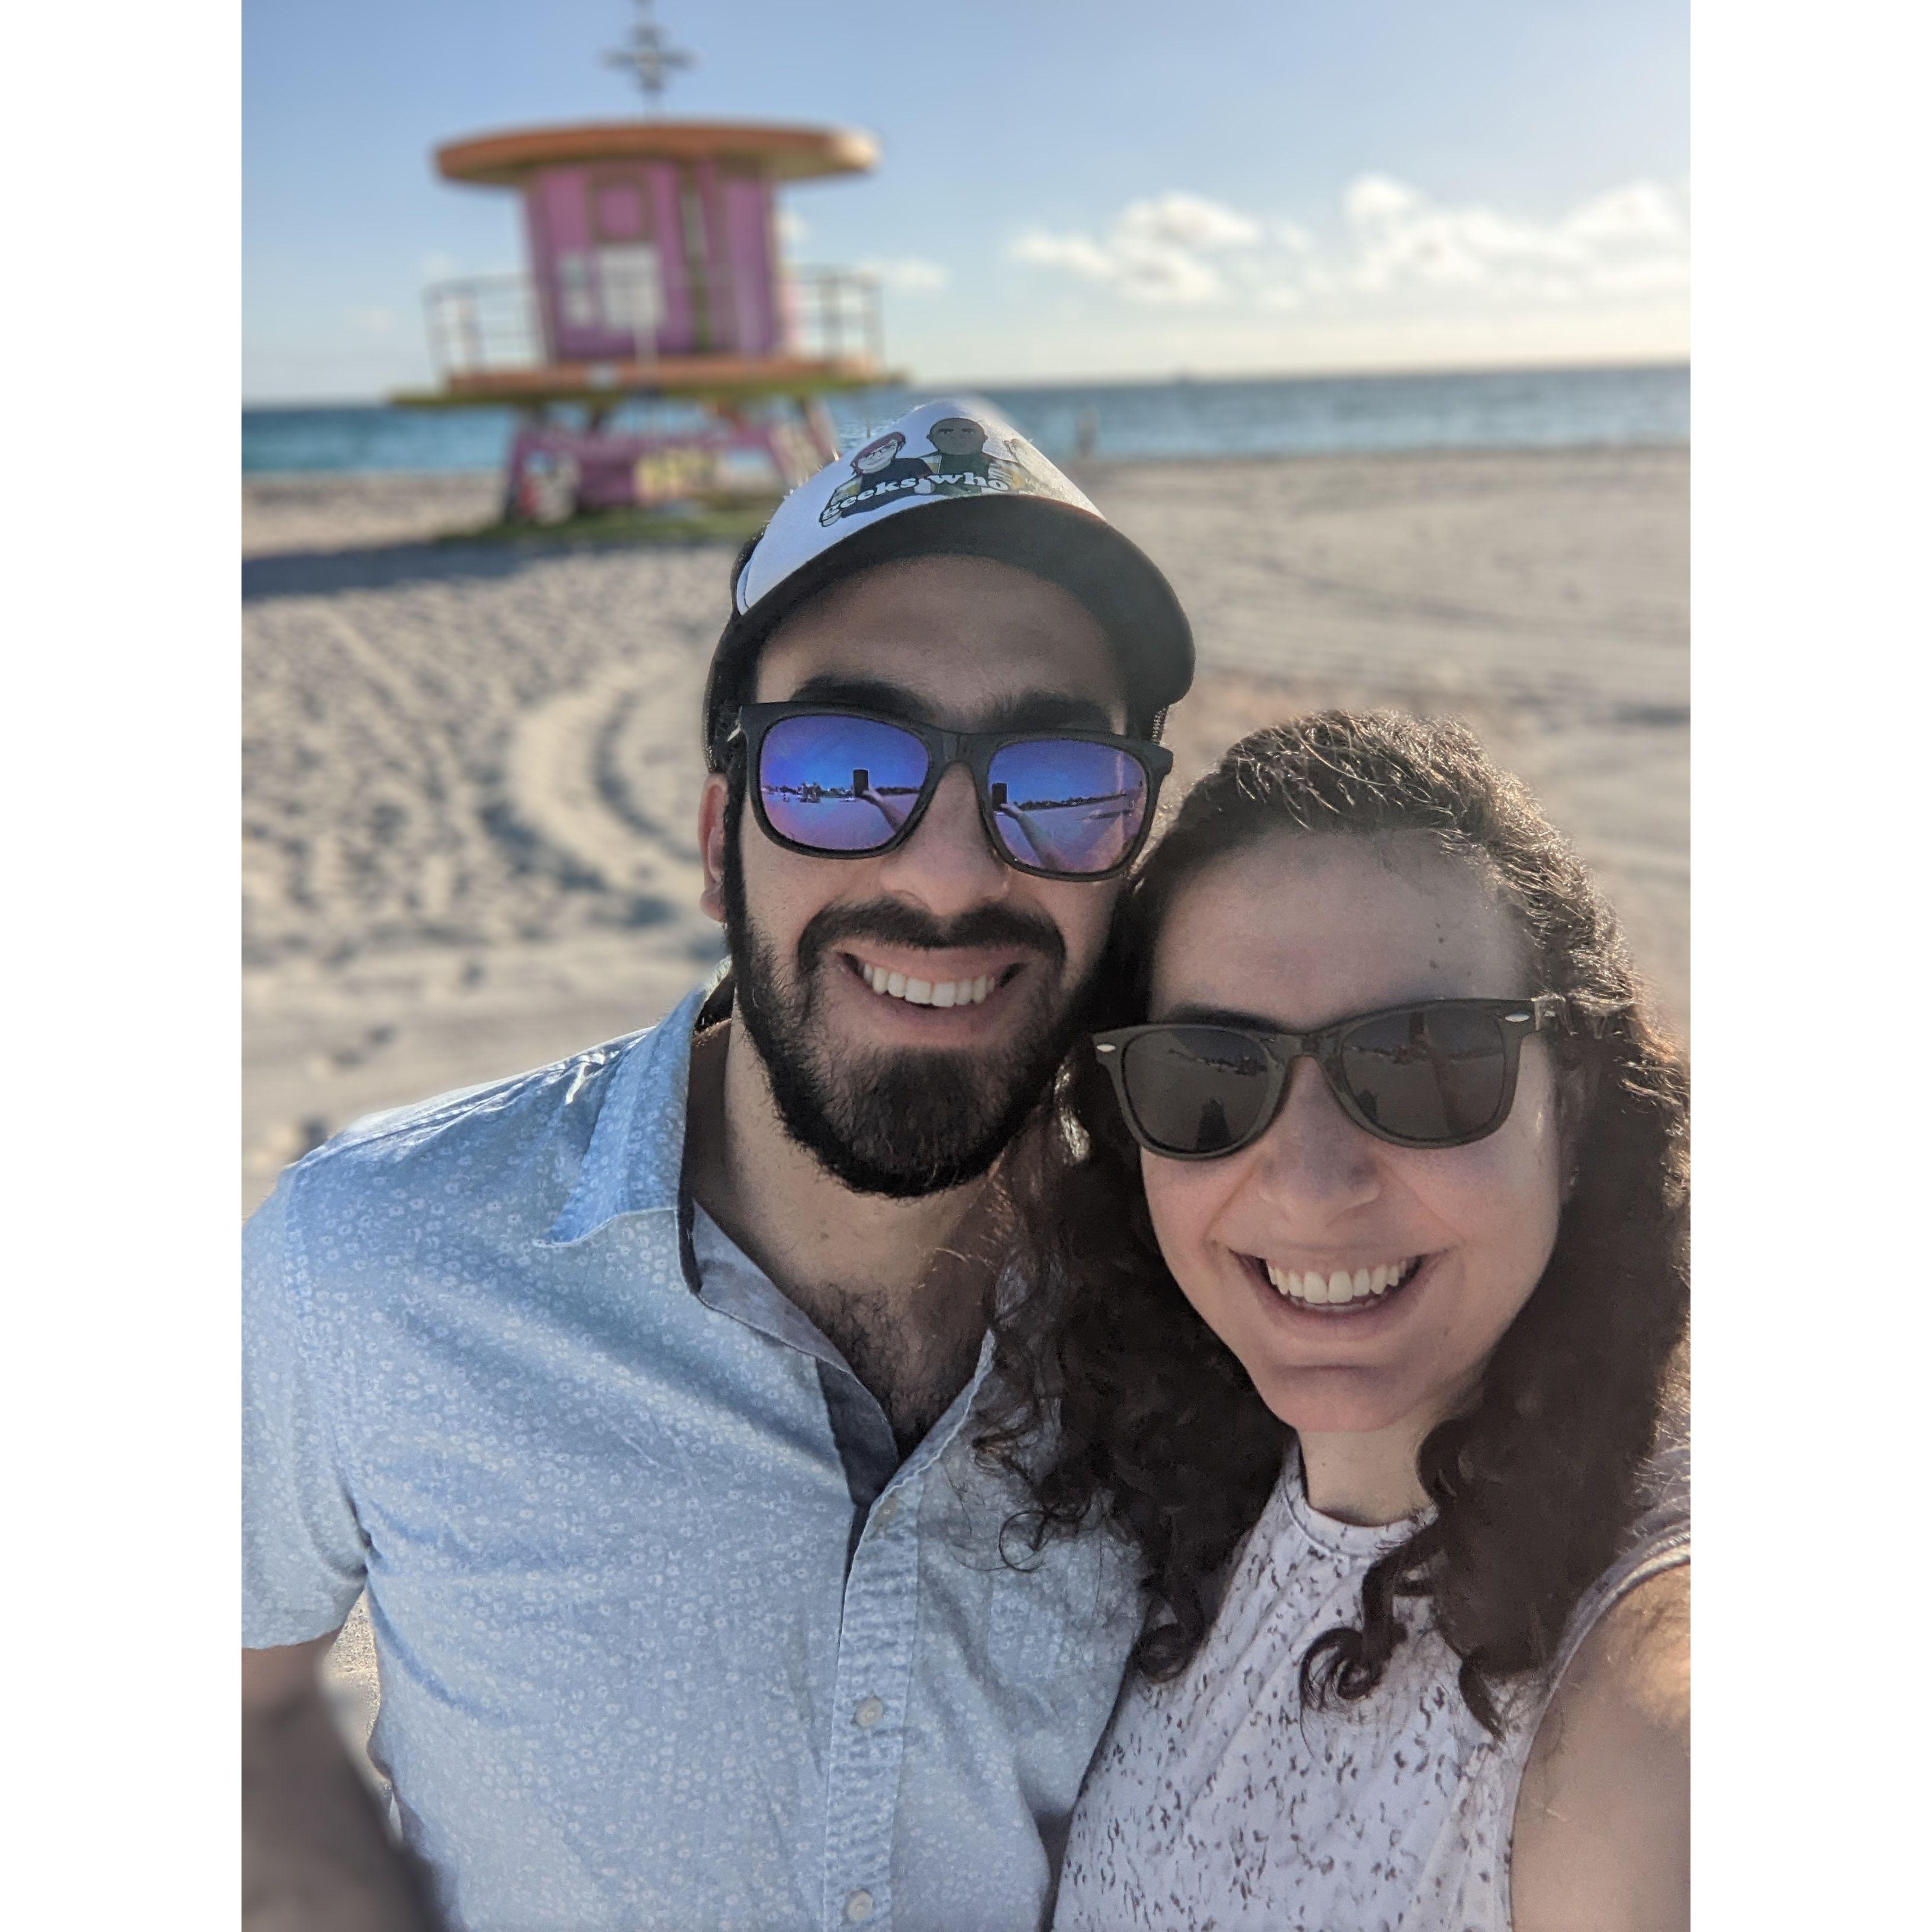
[[925, 992], [1328, 1290]]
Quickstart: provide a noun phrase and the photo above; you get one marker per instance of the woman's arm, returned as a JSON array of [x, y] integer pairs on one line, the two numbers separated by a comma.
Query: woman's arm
[[1603, 1822]]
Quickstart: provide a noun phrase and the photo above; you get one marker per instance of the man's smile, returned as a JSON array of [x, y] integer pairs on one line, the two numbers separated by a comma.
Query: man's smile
[[933, 979], [906, 977]]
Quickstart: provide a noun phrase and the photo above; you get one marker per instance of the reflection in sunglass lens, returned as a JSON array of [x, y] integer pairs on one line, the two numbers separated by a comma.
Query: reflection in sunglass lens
[[1066, 805], [1196, 1090], [837, 784], [1427, 1074]]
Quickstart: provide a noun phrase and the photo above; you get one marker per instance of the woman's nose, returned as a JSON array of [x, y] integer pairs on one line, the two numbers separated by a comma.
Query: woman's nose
[[1313, 1152], [947, 865]]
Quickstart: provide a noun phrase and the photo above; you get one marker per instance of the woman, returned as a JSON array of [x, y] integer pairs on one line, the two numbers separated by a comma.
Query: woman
[[1381, 1372]]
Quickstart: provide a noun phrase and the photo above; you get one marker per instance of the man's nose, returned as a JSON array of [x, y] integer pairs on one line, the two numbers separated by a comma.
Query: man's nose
[[947, 866], [1313, 1157]]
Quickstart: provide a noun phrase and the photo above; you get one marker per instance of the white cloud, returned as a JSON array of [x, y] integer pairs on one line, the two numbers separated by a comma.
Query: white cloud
[[909, 274], [1184, 221], [1394, 251], [1065, 251], [1641, 214], [792, 228], [372, 321], [1154, 252], [1372, 199]]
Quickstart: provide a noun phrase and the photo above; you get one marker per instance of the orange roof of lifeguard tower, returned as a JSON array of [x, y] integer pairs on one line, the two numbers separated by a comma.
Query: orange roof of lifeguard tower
[[783, 153]]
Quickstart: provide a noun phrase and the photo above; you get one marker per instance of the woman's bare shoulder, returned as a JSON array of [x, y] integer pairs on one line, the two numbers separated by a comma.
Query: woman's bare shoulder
[[1603, 1821]]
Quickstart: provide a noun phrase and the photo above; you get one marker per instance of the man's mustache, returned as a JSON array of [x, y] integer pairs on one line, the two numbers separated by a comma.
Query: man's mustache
[[893, 923]]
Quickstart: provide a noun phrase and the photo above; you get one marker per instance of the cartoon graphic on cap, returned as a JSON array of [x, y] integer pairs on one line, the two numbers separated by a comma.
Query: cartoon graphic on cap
[[879, 475], [962, 464]]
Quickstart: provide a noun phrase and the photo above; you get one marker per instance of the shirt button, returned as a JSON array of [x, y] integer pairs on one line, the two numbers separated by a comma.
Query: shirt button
[[883, 1515], [868, 1712], [859, 1907]]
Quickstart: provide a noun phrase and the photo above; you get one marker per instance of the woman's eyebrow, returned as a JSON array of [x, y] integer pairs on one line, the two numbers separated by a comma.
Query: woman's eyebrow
[[1225, 1016]]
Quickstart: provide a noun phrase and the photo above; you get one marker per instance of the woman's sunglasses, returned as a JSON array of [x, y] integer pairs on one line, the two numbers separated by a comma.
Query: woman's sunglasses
[[840, 784], [1438, 1074]]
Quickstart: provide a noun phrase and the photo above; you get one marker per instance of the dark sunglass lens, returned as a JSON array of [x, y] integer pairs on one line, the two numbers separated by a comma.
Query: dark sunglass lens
[[839, 784], [1429, 1075], [1065, 805], [1196, 1090]]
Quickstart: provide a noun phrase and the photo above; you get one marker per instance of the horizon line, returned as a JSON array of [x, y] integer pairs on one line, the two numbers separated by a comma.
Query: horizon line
[[1204, 380]]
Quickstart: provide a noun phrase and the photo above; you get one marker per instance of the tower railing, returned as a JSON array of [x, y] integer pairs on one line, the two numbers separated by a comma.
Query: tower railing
[[483, 322], [480, 324], [832, 314]]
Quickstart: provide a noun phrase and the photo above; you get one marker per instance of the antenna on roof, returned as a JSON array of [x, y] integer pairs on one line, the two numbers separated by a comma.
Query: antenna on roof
[[648, 56]]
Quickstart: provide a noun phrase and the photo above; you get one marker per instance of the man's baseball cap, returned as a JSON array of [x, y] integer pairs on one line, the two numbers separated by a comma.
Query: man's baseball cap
[[898, 495]]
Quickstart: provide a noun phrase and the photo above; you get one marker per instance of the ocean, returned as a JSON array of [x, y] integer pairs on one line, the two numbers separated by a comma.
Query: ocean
[[1518, 408]]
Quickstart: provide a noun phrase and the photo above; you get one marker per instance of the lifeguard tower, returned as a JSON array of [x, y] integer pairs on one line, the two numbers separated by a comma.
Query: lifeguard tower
[[656, 284]]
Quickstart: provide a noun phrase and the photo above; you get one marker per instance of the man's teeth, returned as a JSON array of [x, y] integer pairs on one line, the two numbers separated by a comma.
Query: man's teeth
[[1326, 1290], [924, 992]]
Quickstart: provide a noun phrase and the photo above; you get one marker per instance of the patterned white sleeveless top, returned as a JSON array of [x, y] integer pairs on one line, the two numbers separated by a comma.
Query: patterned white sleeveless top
[[1216, 1799]]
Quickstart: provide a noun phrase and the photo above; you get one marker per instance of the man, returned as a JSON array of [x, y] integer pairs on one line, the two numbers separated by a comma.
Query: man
[[640, 1392]]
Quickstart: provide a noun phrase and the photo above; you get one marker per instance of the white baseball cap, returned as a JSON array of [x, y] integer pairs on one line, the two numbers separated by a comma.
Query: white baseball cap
[[951, 477]]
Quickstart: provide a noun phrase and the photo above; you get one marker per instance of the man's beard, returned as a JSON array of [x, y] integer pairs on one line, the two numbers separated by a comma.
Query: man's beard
[[901, 1122]]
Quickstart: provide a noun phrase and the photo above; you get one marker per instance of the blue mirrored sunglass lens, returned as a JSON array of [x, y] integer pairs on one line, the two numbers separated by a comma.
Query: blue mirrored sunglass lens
[[1066, 805], [839, 784]]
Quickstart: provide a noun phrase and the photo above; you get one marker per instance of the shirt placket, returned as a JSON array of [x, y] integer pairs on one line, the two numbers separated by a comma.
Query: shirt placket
[[877, 1638], [873, 1682]]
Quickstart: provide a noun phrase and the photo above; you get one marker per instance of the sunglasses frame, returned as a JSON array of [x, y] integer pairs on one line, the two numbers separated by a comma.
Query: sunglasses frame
[[1543, 1012], [976, 750]]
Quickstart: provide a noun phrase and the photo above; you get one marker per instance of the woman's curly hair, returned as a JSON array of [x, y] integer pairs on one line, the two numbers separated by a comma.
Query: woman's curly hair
[[1122, 1404]]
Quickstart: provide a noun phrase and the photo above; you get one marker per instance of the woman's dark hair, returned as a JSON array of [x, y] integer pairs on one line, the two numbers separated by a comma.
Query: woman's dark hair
[[1123, 1404]]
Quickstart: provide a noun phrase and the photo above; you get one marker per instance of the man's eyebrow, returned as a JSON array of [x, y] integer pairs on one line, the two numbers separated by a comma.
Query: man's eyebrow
[[862, 694], [1046, 710], [1026, 711]]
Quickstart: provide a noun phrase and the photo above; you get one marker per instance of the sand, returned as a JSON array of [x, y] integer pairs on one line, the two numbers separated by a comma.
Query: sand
[[471, 771]]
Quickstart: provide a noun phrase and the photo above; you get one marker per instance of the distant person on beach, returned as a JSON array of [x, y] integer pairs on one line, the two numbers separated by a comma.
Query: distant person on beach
[[640, 1394], [1361, 1298]]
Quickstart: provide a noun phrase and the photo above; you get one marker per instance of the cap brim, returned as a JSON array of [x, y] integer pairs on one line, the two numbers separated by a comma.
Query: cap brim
[[1058, 542]]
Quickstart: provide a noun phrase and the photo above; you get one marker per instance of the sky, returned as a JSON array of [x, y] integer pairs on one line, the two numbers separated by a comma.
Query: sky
[[1067, 190]]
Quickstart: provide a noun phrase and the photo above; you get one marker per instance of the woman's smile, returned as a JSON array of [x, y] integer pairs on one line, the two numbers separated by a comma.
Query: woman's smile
[[1330, 1290]]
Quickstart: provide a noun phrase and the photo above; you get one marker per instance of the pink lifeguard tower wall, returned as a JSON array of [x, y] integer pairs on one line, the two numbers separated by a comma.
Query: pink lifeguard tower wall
[[712, 229]]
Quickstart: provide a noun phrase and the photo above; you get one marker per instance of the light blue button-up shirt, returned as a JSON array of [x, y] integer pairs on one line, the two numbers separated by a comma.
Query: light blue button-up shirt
[[666, 1634]]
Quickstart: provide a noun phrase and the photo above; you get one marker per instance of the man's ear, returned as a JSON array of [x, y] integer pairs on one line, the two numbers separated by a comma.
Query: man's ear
[[711, 843]]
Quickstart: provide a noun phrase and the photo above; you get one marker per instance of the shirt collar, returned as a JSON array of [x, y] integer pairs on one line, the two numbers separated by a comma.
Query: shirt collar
[[635, 1163]]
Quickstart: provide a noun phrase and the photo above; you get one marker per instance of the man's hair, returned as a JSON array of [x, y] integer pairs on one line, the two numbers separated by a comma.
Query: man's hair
[[1160, 1429]]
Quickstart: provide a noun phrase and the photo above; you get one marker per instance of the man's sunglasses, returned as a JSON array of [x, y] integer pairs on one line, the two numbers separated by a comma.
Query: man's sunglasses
[[840, 784], [1438, 1074]]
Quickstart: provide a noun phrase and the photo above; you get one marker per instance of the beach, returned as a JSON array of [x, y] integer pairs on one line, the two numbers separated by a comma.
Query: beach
[[472, 770]]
